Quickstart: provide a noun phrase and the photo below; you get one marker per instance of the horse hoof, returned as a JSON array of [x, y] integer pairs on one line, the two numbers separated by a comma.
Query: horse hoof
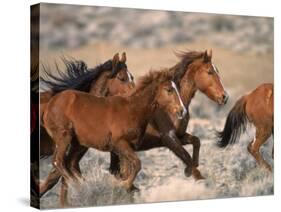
[[188, 171], [81, 180], [133, 189], [197, 175]]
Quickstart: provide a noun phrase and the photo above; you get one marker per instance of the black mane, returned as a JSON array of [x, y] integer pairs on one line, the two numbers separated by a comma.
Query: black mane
[[77, 75]]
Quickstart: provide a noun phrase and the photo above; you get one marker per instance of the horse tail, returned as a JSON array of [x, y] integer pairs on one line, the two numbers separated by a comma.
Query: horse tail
[[236, 123]]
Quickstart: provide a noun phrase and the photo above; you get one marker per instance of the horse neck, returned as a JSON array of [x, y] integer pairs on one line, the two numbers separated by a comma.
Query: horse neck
[[187, 86], [142, 102], [98, 86]]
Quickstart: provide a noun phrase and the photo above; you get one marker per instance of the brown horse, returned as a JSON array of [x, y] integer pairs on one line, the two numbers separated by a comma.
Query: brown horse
[[108, 79], [115, 124], [195, 71], [257, 108]]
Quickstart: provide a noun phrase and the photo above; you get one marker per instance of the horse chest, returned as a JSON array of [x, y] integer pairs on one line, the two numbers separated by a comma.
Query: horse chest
[[182, 125]]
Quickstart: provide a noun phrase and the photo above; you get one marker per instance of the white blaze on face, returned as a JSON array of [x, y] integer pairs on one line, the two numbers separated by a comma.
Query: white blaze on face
[[215, 69], [217, 72], [182, 105], [130, 76]]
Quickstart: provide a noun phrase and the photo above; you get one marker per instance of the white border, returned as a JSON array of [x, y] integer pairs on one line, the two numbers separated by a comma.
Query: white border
[[14, 109]]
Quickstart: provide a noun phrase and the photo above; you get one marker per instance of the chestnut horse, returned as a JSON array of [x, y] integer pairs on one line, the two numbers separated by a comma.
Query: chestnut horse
[[78, 121], [257, 108], [195, 71], [108, 79]]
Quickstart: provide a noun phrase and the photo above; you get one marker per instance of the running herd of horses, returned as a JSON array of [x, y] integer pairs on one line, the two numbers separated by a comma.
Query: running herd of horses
[[103, 108]]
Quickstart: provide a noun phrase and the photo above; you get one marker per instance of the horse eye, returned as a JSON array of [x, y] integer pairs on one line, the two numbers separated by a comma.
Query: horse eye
[[169, 90], [210, 72]]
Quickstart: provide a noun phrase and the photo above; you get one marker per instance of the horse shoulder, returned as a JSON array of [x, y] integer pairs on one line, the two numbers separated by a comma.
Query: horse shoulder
[[65, 102]]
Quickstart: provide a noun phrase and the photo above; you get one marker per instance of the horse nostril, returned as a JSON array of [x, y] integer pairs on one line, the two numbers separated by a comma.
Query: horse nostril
[[225, 97], [182, 112]]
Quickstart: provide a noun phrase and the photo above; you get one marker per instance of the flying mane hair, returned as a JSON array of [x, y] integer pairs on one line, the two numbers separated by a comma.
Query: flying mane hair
[[77, 75], [153, 78], [175, 73]]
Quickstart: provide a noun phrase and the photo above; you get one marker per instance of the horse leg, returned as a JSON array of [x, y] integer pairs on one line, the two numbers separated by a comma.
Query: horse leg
[[114, 167], [118, 167], [46, 144], [171, 141], [149, 141], [262, 134], [63, 193], [75, 155], [195, 142], [62, 141], [50, 181], [125, 151], [54, 176], [76, 152]]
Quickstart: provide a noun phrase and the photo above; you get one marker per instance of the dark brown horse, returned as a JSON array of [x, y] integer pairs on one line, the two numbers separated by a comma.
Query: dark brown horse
[[257, 108], [78, 121], [194, 72]]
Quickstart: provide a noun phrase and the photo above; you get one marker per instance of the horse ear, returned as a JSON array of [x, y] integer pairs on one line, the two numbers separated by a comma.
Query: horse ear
[[115, 59], [205, 57], [124, 57]]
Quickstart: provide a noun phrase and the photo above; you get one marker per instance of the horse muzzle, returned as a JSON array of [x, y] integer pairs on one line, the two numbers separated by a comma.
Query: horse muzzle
[[181, 113], [223, 99]]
